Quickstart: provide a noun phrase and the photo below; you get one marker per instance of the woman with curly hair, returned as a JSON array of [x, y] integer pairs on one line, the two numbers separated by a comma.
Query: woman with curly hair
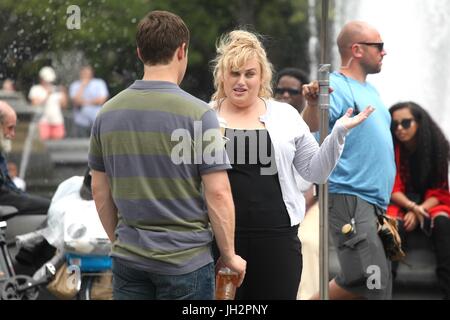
[[421, 192]]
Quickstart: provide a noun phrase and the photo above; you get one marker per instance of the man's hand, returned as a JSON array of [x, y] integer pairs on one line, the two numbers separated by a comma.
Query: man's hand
[[235, 263], [310, 114], [310, 92]]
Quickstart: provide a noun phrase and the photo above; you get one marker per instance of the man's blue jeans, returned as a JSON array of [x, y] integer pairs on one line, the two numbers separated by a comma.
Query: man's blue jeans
[[134, 284]]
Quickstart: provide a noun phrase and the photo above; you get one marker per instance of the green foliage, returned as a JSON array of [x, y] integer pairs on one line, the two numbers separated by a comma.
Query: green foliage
[[35, 33]]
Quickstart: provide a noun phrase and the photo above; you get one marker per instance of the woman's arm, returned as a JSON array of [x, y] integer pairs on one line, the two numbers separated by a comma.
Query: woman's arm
[[400, 199], [430, 203]]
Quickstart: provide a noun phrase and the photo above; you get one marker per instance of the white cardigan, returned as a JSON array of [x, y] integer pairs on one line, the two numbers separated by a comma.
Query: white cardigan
[[297, 152]]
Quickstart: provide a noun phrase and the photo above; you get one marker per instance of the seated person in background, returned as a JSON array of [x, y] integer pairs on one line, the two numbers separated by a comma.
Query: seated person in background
[[8, 85], [19, 182], [10, 195], [52, 98], [421, 189]]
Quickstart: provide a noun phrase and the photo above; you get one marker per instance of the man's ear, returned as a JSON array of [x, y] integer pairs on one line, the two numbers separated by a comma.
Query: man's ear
[[181, 51], [138, 52], [357, 51]]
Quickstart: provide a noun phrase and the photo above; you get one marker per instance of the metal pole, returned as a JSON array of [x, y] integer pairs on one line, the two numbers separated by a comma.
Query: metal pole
[[324, 32], [324, 101], [28, 145]]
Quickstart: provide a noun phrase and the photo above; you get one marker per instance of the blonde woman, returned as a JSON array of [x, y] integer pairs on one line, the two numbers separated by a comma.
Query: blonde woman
[[269, 146]]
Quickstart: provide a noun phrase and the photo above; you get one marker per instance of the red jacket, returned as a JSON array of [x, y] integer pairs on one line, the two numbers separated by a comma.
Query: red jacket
[[442, 194]]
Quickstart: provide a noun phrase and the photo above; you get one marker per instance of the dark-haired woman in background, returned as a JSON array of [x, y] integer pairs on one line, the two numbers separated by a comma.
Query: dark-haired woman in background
[[421, 192]]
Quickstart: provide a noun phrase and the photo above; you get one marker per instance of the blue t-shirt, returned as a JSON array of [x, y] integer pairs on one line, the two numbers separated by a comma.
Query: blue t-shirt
[[367, 167], [96, 88]]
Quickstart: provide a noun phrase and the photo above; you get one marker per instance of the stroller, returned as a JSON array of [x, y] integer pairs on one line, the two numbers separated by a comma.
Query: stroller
[[17, 286], [69, 273], [82, 262], [86, 248]]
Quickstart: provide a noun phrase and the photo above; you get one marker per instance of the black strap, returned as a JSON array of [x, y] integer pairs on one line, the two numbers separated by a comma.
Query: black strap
[[381, 216]]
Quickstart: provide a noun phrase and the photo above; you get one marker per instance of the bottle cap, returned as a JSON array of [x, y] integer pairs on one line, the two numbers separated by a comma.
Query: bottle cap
[[347, 228]]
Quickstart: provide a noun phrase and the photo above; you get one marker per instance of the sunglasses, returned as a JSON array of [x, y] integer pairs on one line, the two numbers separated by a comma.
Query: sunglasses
[[379, 45], [292, 92], [405, 123]]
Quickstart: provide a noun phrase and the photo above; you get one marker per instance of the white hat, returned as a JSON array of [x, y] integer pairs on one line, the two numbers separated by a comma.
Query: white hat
[[47, 74]]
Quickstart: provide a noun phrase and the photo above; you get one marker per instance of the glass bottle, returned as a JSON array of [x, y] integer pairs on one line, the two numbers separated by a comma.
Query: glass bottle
[[226, 283]]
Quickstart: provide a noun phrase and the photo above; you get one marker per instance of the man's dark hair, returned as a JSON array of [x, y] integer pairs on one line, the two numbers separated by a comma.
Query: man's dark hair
[[299, 74], [159, 34]]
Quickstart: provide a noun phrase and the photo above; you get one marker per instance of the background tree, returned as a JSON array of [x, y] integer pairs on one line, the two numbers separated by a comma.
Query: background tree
[[35, 34]]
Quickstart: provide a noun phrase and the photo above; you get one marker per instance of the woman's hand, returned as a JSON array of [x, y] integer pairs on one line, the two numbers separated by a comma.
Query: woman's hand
[[350, 122], [410, 221], [421, 213]]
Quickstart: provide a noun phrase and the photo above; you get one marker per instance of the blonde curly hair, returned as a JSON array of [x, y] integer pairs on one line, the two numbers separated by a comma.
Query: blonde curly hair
[[234, 49]]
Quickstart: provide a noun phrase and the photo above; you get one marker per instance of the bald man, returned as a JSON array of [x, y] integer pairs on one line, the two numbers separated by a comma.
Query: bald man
[[361, 184], [9, 193]]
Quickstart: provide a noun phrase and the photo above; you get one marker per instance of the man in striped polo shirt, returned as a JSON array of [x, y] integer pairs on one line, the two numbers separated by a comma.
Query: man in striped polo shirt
[[159, 176]]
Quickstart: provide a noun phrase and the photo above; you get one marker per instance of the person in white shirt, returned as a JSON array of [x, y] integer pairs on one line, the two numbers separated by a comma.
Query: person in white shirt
[[269, 145], [51, 99]]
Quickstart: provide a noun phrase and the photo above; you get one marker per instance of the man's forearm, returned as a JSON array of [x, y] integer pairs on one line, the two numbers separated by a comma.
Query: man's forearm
[[221, 211], [108, 216], [221, 214], [107, 210], [311, 116]]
